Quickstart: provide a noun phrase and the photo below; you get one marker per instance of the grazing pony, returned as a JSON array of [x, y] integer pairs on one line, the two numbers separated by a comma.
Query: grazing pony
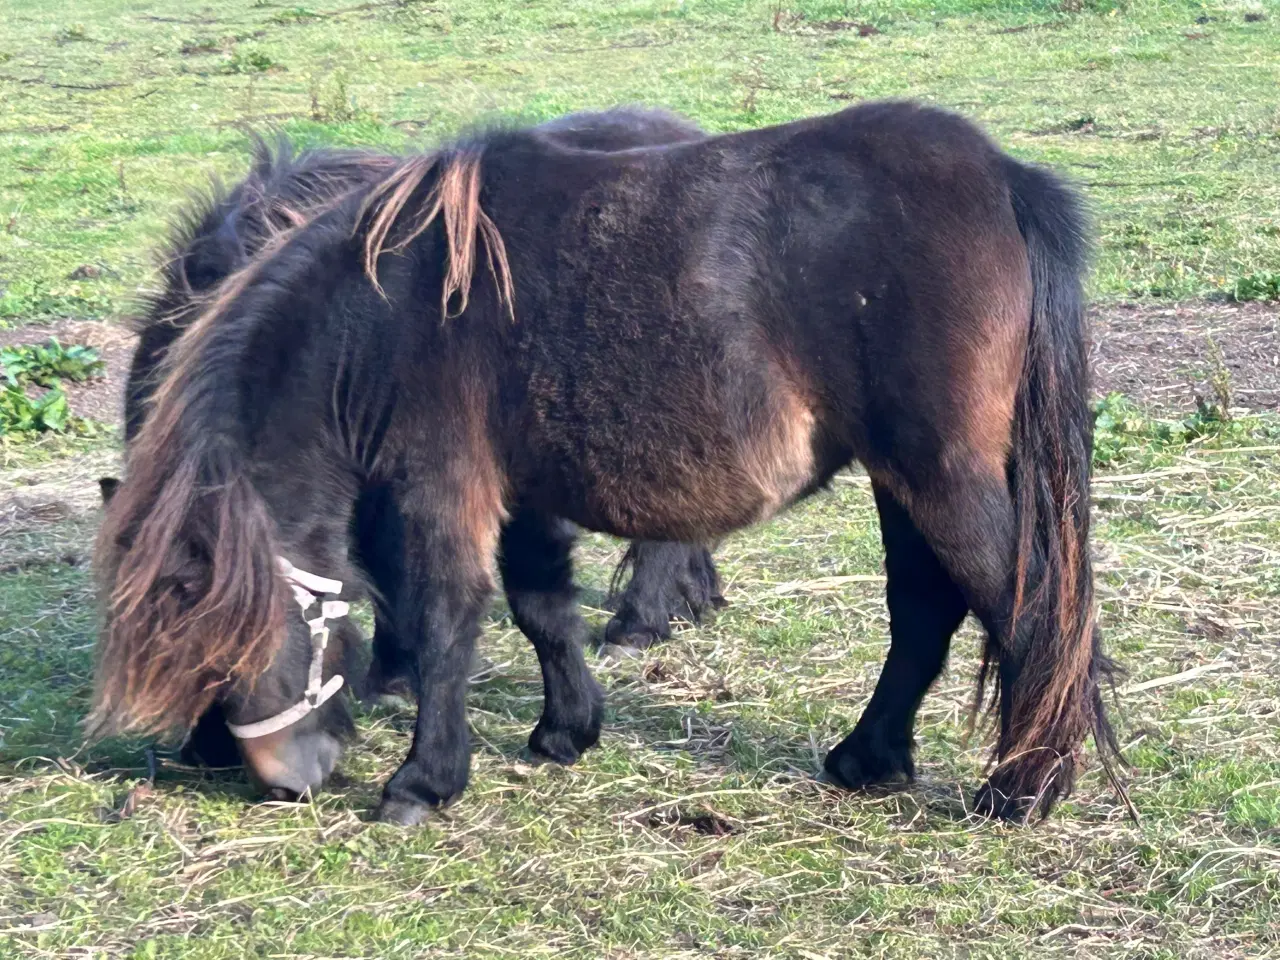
[[668, 343], [219, 234]]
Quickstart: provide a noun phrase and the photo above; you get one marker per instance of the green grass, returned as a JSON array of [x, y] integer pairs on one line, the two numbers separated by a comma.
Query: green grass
[[695, 829], [114, 109]]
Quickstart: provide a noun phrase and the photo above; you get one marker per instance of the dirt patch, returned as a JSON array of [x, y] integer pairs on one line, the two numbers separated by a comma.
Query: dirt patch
[[101, 398], [1161, 355]]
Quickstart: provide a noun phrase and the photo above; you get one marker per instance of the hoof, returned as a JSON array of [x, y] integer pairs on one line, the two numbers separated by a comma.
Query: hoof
[[621, 651], [634, 632], [532, 758], [565, 745], [404, 813], [857, 765], [992, 802], [552, 749]]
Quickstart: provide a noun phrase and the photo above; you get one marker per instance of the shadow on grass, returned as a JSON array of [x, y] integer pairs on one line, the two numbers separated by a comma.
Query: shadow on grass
[[54, 691]]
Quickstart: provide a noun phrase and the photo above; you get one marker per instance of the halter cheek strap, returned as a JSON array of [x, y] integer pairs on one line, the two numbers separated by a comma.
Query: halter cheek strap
[[305, 586]]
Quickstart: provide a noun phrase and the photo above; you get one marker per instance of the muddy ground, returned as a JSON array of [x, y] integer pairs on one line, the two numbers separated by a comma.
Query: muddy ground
[[1162, 356]]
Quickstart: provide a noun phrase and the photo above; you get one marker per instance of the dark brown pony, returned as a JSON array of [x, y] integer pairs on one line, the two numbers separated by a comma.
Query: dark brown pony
[[665, 343], [218, 233]]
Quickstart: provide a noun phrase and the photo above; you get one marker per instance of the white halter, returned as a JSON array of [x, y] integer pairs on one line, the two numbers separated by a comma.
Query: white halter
[[305, 587]]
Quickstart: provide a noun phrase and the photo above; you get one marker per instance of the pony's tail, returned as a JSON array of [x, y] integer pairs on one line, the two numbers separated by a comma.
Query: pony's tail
[[186, 564], [1056, 700]]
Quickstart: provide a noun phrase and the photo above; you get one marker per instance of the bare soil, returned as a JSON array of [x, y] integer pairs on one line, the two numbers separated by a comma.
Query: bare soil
[[1162, 356], [1159, 355]]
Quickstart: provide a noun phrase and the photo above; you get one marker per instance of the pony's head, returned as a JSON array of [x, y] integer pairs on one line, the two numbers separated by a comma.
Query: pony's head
[[202, 620], [198, 611], [170, 661]]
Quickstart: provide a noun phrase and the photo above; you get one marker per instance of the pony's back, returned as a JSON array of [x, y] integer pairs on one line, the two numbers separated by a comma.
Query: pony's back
[[222, 230]]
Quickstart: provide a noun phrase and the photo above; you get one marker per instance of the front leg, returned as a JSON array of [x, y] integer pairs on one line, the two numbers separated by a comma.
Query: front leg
[[434, 580]]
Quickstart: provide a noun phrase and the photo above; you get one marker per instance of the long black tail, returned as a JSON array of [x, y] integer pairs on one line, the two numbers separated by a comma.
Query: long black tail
[[1057, 700]]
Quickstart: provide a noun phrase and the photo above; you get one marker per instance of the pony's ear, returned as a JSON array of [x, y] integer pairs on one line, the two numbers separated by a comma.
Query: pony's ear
[[108, 486]]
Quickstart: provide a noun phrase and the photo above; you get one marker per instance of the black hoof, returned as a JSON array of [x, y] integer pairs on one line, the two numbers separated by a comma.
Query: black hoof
[[404, 813], [533, 758], [565, 743], [556, 747], [628, 636], [993, 802], [858, 764], [415, 790], [562, 740]]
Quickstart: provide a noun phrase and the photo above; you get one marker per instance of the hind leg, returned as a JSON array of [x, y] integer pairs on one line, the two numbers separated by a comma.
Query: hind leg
[[925, 609], [967, 516], [669, 581], [537, 573]]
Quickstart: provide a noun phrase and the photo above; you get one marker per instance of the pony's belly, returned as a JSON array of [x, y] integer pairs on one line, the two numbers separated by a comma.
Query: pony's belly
[[711, 508], [683, 495]]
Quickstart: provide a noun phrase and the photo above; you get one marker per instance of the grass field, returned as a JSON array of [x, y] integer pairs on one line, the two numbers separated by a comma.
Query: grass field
[[696, 828]]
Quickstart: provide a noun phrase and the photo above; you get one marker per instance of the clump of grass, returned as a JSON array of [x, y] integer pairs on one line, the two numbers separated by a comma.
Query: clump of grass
[[334, 102], [75, 33], [1264, 285], [199, 45], [294, 15], [249, 61], [1123, 430], [1091, 6], [1220, 383], [18, 305]]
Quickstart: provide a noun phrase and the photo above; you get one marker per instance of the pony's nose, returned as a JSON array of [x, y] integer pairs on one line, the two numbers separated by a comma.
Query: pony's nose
[[289, 764]]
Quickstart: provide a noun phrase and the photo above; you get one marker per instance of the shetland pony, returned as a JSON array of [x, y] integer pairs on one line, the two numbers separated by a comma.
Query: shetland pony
[[220, 233], [668, 343]]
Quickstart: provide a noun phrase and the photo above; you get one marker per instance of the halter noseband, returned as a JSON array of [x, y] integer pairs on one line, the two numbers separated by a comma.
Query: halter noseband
[[305, 587]]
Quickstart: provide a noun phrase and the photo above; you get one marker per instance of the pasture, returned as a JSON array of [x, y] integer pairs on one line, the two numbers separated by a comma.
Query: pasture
[[696, 828]]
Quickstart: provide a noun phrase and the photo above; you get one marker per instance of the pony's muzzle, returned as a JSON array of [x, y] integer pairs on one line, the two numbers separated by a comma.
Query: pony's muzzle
[[291, 763]]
